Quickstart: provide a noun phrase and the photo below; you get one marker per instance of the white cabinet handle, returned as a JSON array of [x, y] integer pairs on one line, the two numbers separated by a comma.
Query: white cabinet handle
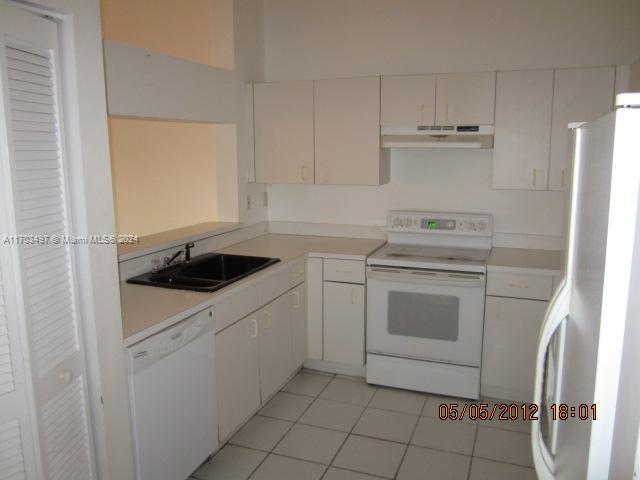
[[562, 178], [254, 333], [353, 296], [535, 175], [298, 303], [66, 376], [303, 172], [325, 174], [267, 323]]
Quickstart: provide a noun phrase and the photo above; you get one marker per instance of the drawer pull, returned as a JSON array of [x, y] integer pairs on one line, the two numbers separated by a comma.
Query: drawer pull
[[254, 324], [298, 303]]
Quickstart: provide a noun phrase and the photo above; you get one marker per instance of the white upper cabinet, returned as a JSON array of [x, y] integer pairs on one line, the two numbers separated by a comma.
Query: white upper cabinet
[[522, 129], [408, 100], [579, 95], [347, 132], [465, 98], [283, 115]]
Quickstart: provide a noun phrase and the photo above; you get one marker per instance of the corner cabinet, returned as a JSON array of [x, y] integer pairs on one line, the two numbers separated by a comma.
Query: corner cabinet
[[522, 129], [283, 129], [347, 132]]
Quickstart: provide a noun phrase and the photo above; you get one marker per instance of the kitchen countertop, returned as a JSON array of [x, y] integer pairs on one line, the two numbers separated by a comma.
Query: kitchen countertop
[[147, 310], [524, 260]]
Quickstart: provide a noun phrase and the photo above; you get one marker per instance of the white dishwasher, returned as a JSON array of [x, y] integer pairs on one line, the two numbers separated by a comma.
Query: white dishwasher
[[173, 399]]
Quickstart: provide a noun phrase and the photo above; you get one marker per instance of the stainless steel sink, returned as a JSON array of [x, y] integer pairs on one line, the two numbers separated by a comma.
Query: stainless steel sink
[[205, 273]]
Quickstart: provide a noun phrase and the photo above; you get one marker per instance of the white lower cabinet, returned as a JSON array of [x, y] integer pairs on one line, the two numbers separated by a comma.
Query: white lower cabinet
[[256, 355], [343, 308], [274, 326], [237, 374], [511, 327], [298, 325]]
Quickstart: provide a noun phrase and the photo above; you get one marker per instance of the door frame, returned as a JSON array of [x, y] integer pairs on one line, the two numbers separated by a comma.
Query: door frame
[[92, 211]]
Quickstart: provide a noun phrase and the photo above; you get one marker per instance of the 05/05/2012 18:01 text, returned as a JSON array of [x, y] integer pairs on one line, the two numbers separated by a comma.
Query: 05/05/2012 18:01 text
[[514, 411]]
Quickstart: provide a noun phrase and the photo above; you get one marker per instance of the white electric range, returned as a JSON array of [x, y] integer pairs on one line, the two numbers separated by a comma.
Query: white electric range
[[425, 302]]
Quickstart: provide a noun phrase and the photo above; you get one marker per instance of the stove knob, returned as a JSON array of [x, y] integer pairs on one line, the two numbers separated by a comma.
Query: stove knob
[[482, 225]]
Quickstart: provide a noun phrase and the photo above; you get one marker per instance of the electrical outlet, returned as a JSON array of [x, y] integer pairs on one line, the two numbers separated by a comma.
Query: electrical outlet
[[265, 199], [248, 202]]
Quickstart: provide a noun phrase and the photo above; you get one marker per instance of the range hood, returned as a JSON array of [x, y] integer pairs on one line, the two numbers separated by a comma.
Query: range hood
[[438, 136]]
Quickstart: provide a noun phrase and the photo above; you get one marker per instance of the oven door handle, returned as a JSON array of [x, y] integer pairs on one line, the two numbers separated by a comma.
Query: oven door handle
[[426, 278]]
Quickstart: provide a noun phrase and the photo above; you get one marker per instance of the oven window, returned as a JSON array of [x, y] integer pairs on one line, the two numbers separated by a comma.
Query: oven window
[[423, 315]]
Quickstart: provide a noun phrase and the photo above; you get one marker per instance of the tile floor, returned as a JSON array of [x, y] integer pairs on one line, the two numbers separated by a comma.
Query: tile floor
[[331, 427]]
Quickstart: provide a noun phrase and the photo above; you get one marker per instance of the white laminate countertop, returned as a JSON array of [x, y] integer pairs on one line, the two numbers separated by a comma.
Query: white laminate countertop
[[524, 260], [147, 310]]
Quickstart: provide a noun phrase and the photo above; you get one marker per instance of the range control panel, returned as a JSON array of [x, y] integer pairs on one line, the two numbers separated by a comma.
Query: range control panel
[[432, 222]]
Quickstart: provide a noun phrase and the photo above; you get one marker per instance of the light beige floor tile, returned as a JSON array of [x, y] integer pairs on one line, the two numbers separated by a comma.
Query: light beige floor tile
[[340, 474], [425, 464], [230, 463], [386, 424], [503, 446], [286, 406], [276, 467], [482, 469], [307, 384], [517, 425], [349, 391], [261, 433], [432, 406], [311, 443], [398, 400], [370, 455], [451, 436], [330, 414]]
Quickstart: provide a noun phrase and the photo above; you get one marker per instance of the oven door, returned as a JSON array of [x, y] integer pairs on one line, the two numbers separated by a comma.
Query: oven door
[[425, 314]]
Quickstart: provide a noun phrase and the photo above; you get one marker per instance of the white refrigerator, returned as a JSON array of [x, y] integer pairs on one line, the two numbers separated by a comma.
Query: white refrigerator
[[580, 346]]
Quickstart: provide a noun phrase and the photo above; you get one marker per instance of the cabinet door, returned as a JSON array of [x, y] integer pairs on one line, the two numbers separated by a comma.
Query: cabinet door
[[408, 100], [344, 323], [275, 345], [579, 95], [283, 115], [511, 329], [314, 308], [465, 98], [237, 381], [522, 129], [347, 131], [298, 326]]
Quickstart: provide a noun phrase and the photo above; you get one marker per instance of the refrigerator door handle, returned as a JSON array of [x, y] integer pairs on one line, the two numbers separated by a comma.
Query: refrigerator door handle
[[557, 313]]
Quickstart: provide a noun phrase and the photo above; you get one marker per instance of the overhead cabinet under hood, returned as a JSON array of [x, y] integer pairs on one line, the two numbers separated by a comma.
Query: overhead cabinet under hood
[[453, 110], [448, 136]]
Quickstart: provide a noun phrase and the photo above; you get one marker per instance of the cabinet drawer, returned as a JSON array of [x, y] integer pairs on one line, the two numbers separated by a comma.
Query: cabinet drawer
[[517, 285], [273, 286], [235, 306], [297, 273], [349, 271]]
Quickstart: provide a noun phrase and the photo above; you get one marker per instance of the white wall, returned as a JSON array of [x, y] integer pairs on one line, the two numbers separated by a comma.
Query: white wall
[[438, 180], [334, 38], [326, 38]]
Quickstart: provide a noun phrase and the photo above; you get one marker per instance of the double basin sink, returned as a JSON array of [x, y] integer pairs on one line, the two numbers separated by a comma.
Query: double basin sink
[[205, 273]]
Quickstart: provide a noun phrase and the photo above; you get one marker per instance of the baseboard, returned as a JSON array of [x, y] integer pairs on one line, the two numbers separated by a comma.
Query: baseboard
[[332, 367], [503, 393]]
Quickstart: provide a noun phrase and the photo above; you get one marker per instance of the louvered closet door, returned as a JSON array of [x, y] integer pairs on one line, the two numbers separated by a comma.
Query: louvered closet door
[[36, 180]]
